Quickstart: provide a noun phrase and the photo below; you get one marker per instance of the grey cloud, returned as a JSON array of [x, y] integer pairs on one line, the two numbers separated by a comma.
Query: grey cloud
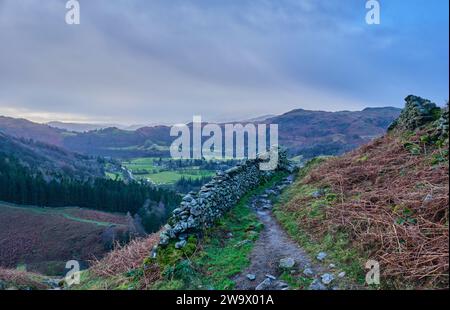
[[150, 61]]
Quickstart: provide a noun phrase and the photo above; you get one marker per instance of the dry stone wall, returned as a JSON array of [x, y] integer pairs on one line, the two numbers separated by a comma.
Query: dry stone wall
[[200, 210]]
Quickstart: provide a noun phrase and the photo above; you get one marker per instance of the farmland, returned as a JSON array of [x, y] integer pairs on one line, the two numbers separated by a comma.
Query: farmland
[[165, 171]]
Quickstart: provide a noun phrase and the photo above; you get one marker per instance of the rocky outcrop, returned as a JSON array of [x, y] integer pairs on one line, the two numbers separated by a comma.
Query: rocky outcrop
[[417, 112], [198, 211]]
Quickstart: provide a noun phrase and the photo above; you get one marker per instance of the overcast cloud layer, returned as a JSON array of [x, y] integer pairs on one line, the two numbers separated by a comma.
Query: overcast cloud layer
[[147, 61]]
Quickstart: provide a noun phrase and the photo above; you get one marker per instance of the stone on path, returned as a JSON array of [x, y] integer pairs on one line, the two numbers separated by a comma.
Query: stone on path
[[264, 285], [251, 277], [327, 278], [308, 272], [316, 285], [287, 263], [281, 286], [321, 256], [271, 284]]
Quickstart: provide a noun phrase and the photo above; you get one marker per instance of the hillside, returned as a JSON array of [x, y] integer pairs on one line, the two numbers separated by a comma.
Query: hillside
[[387, 201], [50, 160], [22, 128], [315, 133], [146, 141], [303, 132], [44, 239]]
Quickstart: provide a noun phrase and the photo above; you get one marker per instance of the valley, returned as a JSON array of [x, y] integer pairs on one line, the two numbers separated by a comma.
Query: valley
[[261, 232], [385, 201]]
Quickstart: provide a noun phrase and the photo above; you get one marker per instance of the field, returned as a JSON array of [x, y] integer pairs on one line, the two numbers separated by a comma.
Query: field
[[163, 171], [43, 239]]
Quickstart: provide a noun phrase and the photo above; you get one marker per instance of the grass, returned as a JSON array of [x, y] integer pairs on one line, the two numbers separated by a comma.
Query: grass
[[295, 281], [223, 258], [88, 281], [171, 177]]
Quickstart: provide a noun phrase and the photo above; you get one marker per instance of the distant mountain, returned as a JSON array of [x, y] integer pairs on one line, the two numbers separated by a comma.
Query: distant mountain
[[259, 119], [50, 160], [85, 127], [146, 141], [79, 127], [22, 128], [313, 133], [306, 133]]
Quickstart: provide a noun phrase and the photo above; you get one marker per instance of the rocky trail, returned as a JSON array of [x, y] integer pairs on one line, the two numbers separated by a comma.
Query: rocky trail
[[275, 252]]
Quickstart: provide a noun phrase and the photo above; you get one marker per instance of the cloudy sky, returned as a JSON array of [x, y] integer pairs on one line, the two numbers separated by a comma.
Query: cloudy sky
[[147, 61]]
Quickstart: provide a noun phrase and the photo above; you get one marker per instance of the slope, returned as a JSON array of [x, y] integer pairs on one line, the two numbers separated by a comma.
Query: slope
[[386, 201]]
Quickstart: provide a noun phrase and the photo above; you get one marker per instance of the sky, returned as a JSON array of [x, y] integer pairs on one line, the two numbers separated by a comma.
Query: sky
[[161, 61]]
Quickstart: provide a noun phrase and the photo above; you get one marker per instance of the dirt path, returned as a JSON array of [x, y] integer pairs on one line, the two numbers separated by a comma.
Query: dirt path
[[272, 246]]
